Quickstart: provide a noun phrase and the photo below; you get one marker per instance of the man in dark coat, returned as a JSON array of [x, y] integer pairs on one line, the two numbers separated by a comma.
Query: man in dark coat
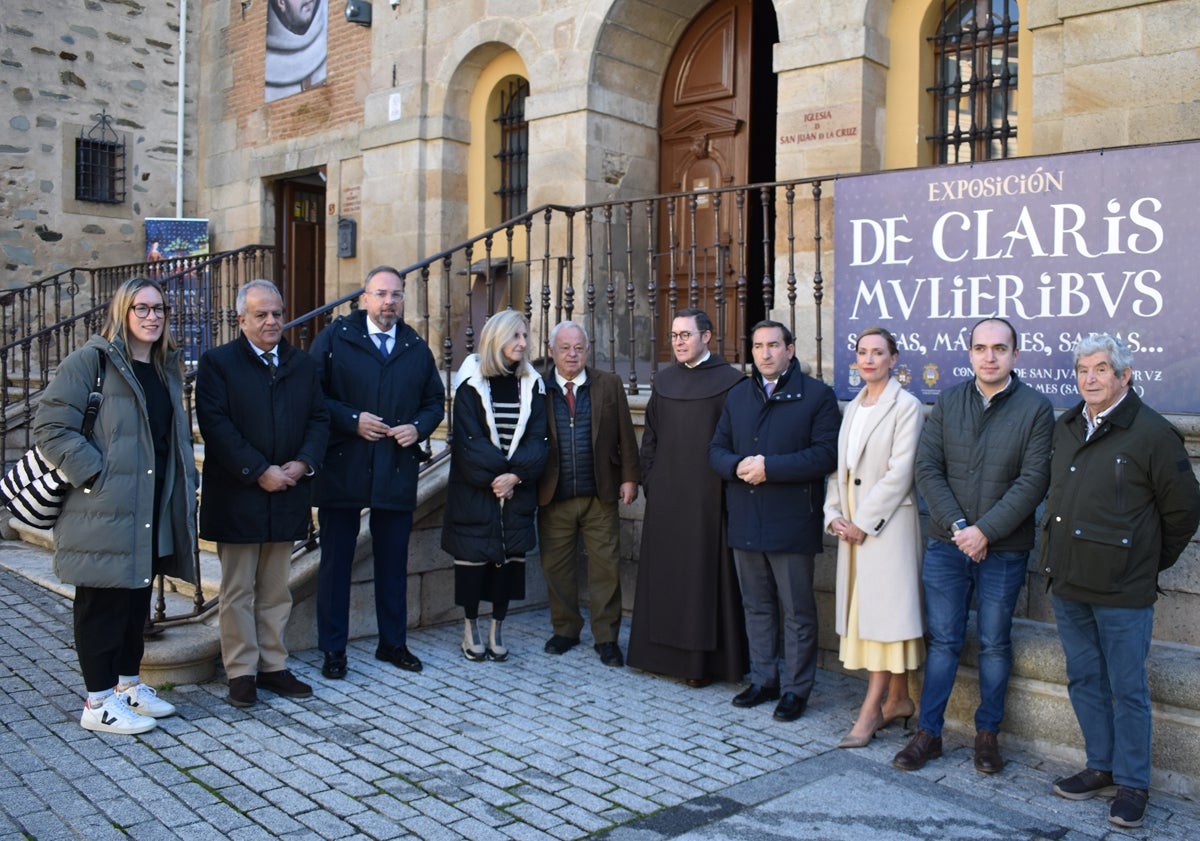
[[382, 405], [264, 424], [774, 445], [592, 463], [1123, 505], [687, 612]]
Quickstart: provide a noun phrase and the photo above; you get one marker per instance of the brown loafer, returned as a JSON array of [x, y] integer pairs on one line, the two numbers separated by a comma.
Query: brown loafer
[[920, 749], [987, 753]]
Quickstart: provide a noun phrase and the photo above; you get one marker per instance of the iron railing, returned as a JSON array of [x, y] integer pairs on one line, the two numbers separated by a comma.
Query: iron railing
[[44, 322], [621, 268]]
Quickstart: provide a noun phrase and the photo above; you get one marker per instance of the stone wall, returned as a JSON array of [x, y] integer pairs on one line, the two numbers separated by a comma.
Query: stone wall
[[62, 63]]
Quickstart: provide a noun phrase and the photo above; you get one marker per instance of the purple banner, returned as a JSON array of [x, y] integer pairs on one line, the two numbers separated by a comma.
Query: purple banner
[[1061, 246]]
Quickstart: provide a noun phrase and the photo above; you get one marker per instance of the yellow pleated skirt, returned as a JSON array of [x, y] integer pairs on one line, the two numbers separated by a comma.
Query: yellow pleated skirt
[[855, 652]]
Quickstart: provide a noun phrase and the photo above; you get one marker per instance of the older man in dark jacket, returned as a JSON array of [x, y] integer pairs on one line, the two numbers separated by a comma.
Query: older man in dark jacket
[[385, 397], [774, 445], [264, 424], [1123, 505], [592, 463]]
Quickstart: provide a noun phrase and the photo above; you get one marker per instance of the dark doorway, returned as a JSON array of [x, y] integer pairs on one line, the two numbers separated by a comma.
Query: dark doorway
[[717, 129], [300, 246]]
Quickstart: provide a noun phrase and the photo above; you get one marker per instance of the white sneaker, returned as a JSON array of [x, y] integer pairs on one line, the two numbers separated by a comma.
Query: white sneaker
[[144, 700], [115, 716]]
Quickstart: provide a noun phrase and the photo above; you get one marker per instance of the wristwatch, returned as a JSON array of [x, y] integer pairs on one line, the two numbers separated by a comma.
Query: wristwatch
[[958, 525]]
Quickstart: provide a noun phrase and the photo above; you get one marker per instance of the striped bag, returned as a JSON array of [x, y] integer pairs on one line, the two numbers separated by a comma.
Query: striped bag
[[34, 489]]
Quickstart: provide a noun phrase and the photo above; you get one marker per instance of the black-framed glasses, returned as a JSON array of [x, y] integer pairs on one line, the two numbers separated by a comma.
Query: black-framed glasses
[[144, 310], [686, 335]]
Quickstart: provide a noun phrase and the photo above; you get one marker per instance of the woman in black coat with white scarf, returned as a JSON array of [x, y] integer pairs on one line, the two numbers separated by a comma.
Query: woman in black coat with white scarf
[[497, 452]]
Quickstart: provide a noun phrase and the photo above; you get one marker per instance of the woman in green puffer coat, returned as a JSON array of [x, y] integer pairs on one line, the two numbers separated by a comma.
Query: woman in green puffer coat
[[130, 514]]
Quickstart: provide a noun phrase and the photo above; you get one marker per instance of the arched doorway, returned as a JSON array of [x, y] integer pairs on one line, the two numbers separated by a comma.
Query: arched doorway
[[717, 129]]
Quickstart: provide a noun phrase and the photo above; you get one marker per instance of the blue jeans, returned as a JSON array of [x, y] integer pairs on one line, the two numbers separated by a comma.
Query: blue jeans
[[948, 578], [1106, 650]]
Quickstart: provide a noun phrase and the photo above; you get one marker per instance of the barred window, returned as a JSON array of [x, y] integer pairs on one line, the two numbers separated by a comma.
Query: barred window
[[100, 164], [975, 89], [513, 156]]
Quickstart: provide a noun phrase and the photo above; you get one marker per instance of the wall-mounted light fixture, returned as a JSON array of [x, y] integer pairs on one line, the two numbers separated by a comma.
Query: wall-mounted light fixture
[[358, 11]]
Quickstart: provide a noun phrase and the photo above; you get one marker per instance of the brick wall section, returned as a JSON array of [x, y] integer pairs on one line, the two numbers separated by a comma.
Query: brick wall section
[[335, 104]]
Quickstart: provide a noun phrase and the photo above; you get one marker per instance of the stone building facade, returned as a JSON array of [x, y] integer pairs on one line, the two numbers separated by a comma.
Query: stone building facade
[[406, 135], [64, 64]]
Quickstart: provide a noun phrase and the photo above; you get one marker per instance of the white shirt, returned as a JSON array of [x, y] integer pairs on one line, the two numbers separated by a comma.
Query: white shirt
[[1094, 424], [374, 331], [562, 381]]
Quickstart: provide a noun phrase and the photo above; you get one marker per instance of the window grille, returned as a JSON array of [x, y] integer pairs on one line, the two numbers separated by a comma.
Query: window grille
[[975, 89], [514, 149], [100, 164]]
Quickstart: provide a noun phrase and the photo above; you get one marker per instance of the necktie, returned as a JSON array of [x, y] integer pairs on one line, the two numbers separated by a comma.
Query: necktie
[[383, 342], [571, 399], [769, 388], [269, 357]]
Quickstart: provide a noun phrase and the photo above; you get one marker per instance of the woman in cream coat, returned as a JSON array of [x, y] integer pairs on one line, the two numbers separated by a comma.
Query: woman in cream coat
[[871, 507]]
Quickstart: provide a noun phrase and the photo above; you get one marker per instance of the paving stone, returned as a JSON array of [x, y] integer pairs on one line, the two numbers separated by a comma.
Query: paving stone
[[537, 748]]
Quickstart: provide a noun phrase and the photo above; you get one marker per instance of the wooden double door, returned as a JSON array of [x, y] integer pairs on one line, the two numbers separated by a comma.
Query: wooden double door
[[717, 129]]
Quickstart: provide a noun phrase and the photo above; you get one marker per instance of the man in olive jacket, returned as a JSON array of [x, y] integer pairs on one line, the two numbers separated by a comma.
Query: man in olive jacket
[[983, 463], [1123, 505], [264, 424], [592, 463]]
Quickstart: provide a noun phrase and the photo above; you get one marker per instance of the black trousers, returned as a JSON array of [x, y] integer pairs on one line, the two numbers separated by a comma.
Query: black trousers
[[108, 633]]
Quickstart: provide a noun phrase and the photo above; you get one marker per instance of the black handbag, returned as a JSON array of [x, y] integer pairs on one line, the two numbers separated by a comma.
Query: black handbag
[[34, 489]]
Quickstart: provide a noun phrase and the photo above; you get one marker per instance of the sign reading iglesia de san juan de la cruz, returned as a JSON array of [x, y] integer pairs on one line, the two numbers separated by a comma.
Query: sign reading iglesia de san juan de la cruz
[[1061, 246]]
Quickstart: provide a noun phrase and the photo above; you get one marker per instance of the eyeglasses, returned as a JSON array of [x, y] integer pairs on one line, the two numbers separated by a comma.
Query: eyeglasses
[[144, 310], [686, 335], [386, 295]]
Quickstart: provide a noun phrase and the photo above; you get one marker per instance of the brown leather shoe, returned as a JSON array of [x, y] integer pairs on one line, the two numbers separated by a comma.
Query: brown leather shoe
[[243, 691], [920, 749], [284, 683], [987, 753]]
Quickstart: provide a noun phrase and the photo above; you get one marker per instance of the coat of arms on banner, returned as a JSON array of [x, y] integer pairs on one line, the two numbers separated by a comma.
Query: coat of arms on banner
[[855, 377], [929, 374]]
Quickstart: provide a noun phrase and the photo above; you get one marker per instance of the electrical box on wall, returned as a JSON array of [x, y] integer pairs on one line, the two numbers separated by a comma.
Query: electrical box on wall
[[347, 236]]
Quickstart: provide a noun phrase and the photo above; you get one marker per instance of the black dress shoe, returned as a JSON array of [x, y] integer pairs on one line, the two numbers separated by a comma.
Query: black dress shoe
[[790, 707], [610, 653], [560, 645], [335, 665], [755, 694], [398, 655]]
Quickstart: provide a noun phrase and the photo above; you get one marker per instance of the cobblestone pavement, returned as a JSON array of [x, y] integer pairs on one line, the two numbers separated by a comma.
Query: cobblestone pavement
[[539, 747]]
